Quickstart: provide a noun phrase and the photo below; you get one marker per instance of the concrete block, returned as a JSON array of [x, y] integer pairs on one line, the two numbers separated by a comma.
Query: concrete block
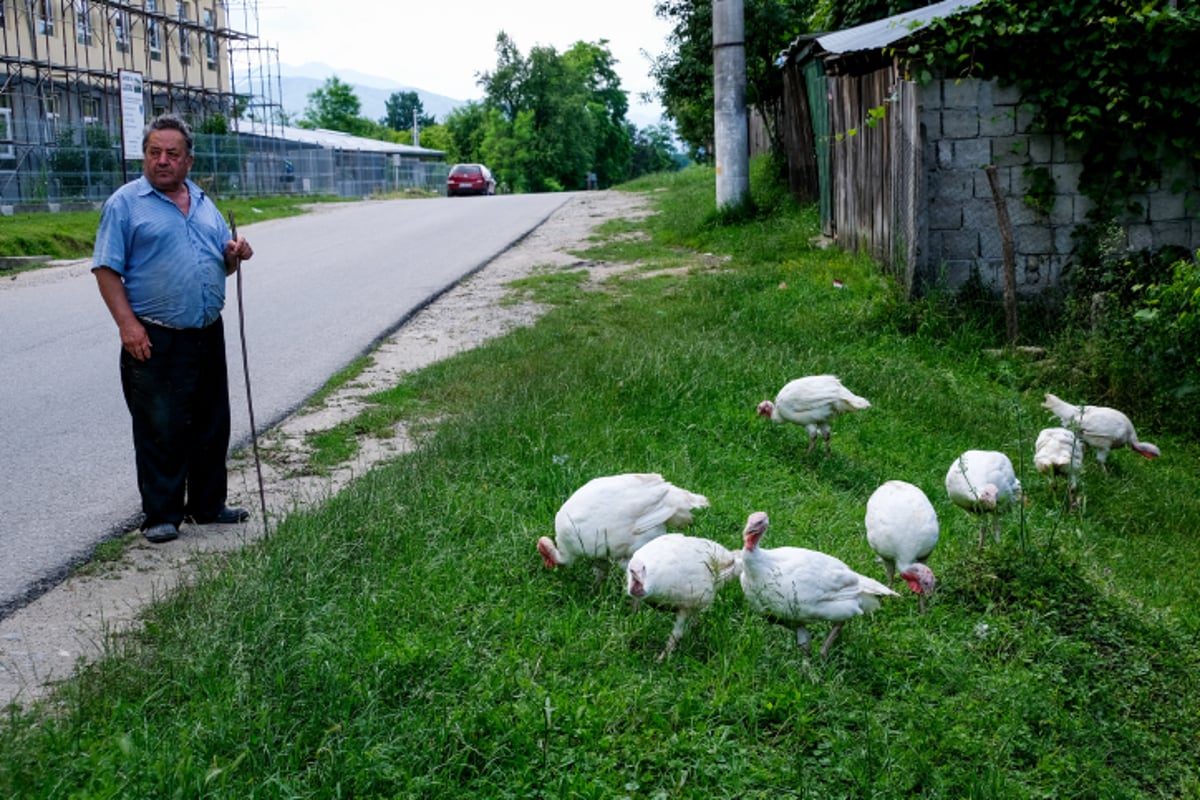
[[1021, 213], [1174, 234], [1004, 95], [1166, 206], [995, 122], [980, 214], [951, 186], [1066, 176], [1033, 272], [930, 96], [945, 154], [1033, 239], [931, 121], [982, 187], [972, 153], [945, 216], [1063, 211], [962, 94], [960, 244], [960, 123], [954, 273], [1025, 116], [1064, 239], [1010, 150], [991, 273], [1041, 148], [991, 244], [1139, 237]]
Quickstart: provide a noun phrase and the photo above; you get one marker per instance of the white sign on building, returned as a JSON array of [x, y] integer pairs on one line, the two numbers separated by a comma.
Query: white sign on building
[[133, 113]]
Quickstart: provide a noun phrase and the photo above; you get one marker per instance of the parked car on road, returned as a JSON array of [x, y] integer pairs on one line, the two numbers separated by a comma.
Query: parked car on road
[[470, 179]]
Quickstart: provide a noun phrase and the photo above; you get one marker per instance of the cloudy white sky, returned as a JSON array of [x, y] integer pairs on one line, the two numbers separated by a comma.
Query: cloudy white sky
[[440, 46]]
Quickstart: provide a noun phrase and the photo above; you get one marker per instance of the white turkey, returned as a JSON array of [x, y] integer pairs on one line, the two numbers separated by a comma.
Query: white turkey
[[609, 518], [1101, 428], [797, 587], [902, 528], [679, 573], [1057, 454], [983, 482], [814, 402]]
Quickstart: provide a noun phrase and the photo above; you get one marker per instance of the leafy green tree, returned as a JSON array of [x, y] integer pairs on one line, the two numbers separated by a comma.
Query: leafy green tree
[[653, 150], [684, 73], [434, 137], [832, 15], [557, 116], [334, 106], [503, 87], [467, 127], [606, 105], [402, 108]]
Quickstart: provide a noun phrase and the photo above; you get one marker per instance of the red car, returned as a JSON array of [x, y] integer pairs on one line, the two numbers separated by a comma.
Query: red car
[[470, 179]]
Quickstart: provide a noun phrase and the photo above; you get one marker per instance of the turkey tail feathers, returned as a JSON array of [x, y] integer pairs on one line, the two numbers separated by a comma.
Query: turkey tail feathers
[[857, 403]]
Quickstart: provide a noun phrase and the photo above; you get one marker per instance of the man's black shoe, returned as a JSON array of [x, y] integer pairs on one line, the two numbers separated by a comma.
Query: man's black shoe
[[164, 532], [226, 516]]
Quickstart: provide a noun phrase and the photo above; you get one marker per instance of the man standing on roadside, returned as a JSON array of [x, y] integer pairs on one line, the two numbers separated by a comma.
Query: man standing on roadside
[[162, 255]]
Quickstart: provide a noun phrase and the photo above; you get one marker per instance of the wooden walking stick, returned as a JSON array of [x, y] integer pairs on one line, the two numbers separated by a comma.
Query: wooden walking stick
[[262, 494]]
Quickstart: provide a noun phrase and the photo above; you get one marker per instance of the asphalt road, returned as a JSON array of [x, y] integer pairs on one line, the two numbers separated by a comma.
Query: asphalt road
[[321, 290]]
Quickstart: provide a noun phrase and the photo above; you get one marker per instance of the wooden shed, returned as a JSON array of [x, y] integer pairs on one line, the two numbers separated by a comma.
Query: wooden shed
[[914, 174], [852, 124]]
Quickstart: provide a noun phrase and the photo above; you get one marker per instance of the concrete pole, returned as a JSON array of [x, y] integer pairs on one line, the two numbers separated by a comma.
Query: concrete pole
[[729, 103]]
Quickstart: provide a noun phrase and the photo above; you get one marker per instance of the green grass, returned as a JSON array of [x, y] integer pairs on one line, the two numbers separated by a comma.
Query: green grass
[[405, 641], [72, 234]]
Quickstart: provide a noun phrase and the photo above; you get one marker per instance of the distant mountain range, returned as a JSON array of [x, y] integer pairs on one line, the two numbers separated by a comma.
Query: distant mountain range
[[297, 83]]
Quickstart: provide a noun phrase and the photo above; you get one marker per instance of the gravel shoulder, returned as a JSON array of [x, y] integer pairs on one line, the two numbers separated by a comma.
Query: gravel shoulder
[[74, 623]]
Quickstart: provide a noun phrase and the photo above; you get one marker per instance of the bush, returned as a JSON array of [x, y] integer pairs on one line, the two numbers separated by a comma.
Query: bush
[[1130, 337]]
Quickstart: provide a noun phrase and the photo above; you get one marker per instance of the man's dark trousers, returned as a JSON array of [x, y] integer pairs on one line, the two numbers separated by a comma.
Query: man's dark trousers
[[179, 402]]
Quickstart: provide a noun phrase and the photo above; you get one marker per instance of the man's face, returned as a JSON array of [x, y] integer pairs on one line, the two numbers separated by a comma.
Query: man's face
[[166, 160]]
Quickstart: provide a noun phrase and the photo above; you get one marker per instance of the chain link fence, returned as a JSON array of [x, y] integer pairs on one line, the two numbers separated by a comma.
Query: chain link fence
[[82, 166]]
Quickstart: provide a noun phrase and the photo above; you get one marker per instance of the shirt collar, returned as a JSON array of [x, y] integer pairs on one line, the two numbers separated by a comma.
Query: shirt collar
[[194, 191]]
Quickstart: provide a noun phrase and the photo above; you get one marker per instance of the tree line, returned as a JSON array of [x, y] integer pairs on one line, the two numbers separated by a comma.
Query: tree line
[[546, 121]]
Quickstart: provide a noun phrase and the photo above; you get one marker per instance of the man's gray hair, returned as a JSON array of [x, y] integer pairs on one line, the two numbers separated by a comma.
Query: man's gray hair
[[169, 122]]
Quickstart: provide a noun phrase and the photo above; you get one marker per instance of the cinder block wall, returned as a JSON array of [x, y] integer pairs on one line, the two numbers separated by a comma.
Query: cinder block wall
[[969, 124]]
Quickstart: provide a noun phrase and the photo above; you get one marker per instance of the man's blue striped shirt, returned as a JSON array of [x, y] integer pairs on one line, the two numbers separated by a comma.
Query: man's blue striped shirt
[[173, 266]]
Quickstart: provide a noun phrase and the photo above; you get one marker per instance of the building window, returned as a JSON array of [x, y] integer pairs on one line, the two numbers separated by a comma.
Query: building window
[[6, 130], [53, 114], [121, 30], [185, 36], [153, 35], [210, 41], [89, 107], [45, 17], [83, 21]]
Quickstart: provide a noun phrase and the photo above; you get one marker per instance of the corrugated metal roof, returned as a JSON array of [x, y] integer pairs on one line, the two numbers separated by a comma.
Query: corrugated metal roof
[[334, 140], [883, 32]]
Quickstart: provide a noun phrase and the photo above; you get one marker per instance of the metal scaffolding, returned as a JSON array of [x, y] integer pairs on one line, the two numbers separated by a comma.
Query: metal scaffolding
[[61, 110], [60, 98]]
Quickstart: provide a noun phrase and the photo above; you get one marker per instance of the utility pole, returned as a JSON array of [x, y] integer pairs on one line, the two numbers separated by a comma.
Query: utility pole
[[729, 103], [416, 129]]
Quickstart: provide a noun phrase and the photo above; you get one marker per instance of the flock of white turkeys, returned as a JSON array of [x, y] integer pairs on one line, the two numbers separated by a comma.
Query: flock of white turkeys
[[625, 519]]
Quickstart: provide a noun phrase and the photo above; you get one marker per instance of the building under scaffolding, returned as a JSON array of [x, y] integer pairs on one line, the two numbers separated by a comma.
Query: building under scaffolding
[[63, 119]]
